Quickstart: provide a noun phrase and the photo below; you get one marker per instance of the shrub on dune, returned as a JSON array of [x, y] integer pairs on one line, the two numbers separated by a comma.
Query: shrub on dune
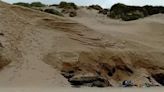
[[22, 4], [37, 4], [73, 14], [104, 11], [154, 10], [33, 4], [53, 11], [66, 5], [127, 13], [96, 7]]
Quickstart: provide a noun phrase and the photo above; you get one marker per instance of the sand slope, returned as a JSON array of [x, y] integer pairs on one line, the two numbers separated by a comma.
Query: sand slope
[[39, 43], [25, 45]]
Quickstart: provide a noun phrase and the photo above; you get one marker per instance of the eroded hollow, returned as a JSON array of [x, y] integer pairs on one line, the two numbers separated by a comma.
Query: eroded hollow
[[104, 69], [96, 74]]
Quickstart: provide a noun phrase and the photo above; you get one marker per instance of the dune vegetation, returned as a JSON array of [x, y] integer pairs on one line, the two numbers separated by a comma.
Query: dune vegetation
[[127, 13]]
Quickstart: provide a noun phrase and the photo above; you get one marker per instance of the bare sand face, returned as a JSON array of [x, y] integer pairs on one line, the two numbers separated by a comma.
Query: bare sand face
[[38, 44]]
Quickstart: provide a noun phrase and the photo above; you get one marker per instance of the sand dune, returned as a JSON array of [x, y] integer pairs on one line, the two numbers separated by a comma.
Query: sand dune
[[41, 45]]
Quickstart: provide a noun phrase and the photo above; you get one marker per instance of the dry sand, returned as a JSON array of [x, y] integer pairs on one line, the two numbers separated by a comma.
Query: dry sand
[[80, 90], [38, 44]]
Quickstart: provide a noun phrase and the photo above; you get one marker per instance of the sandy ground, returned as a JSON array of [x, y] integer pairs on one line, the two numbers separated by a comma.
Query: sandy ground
[[38, 43], [79, 90], [29, 44]]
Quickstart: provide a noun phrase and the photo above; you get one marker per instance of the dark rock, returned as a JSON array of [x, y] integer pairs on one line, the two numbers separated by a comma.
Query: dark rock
[[90, 81], [83, 79], [127, 83], [159, 78]]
